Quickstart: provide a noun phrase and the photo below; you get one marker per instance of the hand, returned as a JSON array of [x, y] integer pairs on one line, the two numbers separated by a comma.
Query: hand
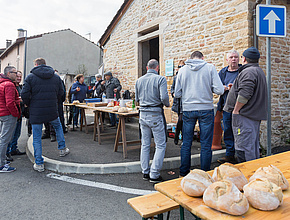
[[103, 82], [235, 112], [78, 89], [230, 86], [94, 87], [115, 90], [226, 88]]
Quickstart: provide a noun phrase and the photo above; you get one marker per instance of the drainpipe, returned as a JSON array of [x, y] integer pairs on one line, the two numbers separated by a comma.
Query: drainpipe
[[256, 41]]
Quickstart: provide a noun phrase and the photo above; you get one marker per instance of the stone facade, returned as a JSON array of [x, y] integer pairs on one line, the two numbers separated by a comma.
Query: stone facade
[[214, 27]]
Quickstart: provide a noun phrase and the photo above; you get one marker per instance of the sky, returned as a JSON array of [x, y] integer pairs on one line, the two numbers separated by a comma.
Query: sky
[[37, 17]]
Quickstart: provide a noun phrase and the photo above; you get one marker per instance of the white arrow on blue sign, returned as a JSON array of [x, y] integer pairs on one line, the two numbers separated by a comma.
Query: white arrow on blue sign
[[271, 21]]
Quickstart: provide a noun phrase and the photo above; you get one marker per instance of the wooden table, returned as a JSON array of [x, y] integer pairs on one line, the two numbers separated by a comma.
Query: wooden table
[[120, 131], [67, 111], [196, 206]]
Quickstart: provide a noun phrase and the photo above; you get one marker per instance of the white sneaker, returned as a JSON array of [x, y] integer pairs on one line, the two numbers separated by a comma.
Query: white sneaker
[[39, 168], [64, 152]]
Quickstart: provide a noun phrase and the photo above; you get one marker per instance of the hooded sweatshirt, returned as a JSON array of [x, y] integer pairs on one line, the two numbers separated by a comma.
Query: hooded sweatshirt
[[41, 92], [196, 82]]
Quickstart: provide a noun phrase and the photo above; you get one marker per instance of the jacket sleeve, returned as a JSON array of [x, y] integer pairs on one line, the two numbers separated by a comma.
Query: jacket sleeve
[[247, 83], [118, 85], [11, 100], [26, 92], [163, 92], [136, 92], [74, 89], [217, 85], [60, 91], [178, 89], [172, 90]]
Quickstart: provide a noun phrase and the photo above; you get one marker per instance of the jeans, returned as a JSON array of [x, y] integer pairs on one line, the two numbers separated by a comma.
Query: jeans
[[77, 112], [152, 122], [206, 125], [113, 119], [7, 127], [37, 132], [61, 115], [228, 134], [12, 146]]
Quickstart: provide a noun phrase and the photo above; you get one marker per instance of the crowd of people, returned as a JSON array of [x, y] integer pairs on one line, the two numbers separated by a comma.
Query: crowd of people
[[243, 104]]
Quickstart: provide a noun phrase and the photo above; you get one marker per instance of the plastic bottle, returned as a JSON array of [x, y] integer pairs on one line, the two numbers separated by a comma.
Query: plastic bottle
[[104, 97], [115, 100], [133, 104]]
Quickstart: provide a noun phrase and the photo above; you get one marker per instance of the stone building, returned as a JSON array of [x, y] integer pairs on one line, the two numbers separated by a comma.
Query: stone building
[[173, 29]]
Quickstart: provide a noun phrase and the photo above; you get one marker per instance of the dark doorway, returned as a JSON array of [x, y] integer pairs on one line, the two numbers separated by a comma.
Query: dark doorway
[[150, 50]]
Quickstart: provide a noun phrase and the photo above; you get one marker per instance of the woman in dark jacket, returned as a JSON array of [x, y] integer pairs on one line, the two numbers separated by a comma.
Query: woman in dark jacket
[[177, 105]]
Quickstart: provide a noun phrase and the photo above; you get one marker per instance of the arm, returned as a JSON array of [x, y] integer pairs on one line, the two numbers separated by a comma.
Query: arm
[[178, 89], [217, 85], [26, 92], [60, 93], [163, 92], [74, 89], [238, 107], [117, 85], [11, 100], [136, 92], [173, 86]]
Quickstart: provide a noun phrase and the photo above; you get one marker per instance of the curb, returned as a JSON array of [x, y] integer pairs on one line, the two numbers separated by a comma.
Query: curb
[[130, 167]]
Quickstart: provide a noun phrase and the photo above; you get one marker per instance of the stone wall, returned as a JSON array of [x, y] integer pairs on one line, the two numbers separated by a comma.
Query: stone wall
[[214, 27]]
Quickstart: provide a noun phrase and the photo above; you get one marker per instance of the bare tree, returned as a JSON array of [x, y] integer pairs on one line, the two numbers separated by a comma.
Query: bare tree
[[82, 69]]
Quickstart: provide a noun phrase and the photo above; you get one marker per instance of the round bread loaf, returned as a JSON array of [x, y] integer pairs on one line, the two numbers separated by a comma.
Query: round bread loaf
[[228, 171], [76, 102], [196, 182], [116, 108], [263, 194], [110, 104], [273, 174], [224, 196], [123, 110]]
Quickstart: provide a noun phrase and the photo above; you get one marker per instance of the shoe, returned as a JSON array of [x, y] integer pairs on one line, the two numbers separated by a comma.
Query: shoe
[[52, 138], [8, 157], [39, 168], [227, 159], [158, 180], [64, 152], [17, 152], [7, 162], [45, 136], [146, 177], [7, 169]]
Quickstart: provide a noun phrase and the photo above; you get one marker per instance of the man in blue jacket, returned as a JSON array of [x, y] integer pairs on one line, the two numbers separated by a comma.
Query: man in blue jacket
[[41, 92]]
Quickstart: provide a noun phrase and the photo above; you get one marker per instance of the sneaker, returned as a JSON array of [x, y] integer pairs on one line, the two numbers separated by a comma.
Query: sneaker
[[52, 138], [64, 152], [17, 152], [39, 168], [8, 157], [227, 159], [7, 169], [158, 180], [146, 177], [45, 136]]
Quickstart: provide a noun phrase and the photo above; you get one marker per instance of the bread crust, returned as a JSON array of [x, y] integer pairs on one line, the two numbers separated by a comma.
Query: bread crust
[[224, 196], [273, 174], [196, 182], [228, 171], [263, 194]]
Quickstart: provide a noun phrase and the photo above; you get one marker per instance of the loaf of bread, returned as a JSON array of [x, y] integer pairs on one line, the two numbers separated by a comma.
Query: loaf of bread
[[76, 102], [196, 182], [129, 104], [110, 104], [123, 110], [224, 196], [116, 108], [273, 174], [228, 171], [263, 194]]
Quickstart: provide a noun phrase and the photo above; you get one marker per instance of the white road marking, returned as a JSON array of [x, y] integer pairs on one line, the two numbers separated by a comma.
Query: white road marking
[[99, 185]]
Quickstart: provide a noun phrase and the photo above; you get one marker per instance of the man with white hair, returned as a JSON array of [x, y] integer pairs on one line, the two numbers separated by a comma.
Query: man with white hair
[[228, 75]]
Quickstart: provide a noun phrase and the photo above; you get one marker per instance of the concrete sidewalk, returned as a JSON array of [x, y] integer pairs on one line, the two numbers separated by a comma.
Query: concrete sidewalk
[[88, 157]]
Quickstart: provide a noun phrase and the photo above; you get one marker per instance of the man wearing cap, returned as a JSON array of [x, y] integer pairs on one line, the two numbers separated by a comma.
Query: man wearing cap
[[247, 101], [112, 87]]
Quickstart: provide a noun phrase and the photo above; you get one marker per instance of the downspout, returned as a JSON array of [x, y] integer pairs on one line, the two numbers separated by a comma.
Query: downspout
[[256, 39]]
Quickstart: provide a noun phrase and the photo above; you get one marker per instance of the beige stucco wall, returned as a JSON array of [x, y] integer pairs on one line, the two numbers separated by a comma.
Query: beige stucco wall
[[13, 59]]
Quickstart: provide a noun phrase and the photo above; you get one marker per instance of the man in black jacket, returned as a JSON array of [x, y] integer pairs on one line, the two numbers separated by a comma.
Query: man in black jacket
[[42, 90]]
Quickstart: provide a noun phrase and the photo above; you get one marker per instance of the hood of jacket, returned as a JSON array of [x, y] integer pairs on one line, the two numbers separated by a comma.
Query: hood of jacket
[[195, 64], [43, 71], [4, 78]]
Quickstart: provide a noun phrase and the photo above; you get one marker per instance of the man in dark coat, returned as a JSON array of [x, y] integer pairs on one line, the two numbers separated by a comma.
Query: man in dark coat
[[41, 92], [99, 88]]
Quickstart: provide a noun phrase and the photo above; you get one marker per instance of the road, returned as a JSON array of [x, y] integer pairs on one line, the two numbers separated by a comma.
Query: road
[[27, 194]]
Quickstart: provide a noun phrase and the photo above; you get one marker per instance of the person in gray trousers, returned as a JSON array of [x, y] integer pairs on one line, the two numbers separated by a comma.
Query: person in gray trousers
[[151, 93]]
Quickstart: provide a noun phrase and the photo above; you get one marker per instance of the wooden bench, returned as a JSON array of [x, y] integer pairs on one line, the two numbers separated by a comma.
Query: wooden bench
[[153, 204]]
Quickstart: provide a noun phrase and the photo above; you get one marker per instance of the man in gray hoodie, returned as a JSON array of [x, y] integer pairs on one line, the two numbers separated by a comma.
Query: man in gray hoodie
[[195, 85]]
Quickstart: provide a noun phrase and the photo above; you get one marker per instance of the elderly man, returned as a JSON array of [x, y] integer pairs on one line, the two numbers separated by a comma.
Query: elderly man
[[151, 93], [247, 101], [112, 90], [98, 88], [9, 113], [195, 84], [41, 92], [228, 75]]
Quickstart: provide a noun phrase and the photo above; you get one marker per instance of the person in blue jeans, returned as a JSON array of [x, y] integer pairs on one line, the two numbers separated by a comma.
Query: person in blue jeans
[[196, 82], [228, 75], [41, 92]]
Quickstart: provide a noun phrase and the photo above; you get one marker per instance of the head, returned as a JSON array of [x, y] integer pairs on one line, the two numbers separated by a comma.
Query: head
[[251, 55], [18, 77], [98, 77], [10, 72], [197, 55], [39, 61], [233, 59], [108, 75], [153, 65], [80, 78], [181, 63]]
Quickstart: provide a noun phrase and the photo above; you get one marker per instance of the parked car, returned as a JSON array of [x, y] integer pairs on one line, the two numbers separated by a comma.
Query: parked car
[[90, 81]]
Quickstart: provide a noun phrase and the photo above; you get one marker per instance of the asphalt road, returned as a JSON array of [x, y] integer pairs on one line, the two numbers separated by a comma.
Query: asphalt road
[[27, 194]]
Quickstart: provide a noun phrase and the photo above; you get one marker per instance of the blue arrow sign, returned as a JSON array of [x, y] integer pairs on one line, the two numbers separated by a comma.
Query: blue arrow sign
[[271, 20]]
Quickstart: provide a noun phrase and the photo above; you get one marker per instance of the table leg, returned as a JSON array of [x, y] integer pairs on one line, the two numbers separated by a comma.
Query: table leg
[[95, 124], [181, 209], [85, 120], [98, 128], [81, 125], [122, 119], [101, 119], [118, 136], [66, 107]]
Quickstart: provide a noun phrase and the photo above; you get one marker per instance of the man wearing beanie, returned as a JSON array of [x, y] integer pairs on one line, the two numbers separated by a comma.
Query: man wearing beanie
[[247, 101]]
